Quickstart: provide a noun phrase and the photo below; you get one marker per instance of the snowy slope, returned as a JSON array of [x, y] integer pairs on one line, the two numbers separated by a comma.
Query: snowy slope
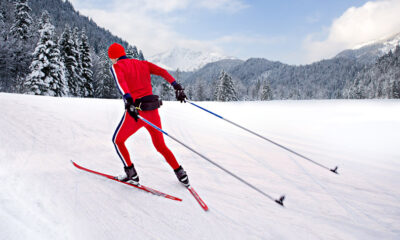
[[42, 196], [185, 59]]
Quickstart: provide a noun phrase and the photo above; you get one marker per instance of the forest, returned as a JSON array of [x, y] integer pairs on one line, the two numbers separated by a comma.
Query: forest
[[49, 48]]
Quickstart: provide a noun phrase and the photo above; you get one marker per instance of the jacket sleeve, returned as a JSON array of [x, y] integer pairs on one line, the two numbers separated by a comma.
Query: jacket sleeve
[[119, 79], [156, 70]]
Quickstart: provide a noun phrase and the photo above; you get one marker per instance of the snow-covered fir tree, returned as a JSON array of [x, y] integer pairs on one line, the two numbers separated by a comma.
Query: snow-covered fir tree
[[16, 54], [177, 75], [77, 39], [47, 70], [255, 90], [382, 80], [266, 92], [104, 83], [216, 90], [23, 21], [17, 46], [69, 54], [200, 91], [87, 73], [226, 88], [190, 92], [166, 92], [132, 52], [1, 18], [141, 56]]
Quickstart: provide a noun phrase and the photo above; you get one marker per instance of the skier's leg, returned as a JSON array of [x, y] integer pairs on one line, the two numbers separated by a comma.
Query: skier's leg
[[125, 129], [159, 144], [158, 138]]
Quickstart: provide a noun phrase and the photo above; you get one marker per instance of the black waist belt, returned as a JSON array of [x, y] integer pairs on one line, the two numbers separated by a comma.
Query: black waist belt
[[148, 103]]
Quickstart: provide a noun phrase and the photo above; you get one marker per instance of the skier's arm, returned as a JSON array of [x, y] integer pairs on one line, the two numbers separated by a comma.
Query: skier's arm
[[120, 79], [179, 90], [156, 70]]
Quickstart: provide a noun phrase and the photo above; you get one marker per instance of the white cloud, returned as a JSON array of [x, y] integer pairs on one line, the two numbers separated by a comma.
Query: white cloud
[[149, 24], [228, 5], [373, 20], [164, 6]]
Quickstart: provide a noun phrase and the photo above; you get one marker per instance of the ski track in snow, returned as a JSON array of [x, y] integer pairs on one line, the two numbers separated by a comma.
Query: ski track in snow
[[42, 196]]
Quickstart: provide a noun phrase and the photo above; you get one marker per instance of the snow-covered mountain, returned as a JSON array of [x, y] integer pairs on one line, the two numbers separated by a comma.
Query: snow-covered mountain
[[185, 59], [370, 51]]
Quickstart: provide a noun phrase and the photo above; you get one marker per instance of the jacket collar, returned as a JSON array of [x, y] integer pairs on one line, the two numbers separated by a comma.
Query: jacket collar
[[123, 57]]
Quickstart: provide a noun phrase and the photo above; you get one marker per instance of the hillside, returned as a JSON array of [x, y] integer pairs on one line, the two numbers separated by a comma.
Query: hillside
[[369, 52], [16, 54], [61, 13], [325, 79], [44, 197]]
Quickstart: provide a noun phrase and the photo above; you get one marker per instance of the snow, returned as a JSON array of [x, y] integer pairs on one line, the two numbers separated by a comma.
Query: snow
[[42, 196]]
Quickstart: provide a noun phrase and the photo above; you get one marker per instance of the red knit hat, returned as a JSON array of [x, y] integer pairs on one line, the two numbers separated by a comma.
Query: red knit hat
[[116, 51]]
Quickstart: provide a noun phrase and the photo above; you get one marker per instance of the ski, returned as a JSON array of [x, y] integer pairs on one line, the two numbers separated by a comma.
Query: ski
[[142, 187], [197, 197]]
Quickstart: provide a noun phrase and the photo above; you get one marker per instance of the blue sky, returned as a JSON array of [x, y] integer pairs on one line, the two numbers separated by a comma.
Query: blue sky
[[294, 32]]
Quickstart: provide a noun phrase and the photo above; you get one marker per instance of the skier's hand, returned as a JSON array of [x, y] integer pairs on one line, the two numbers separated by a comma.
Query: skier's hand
[[130, 107], [133, 112], [179, 92]]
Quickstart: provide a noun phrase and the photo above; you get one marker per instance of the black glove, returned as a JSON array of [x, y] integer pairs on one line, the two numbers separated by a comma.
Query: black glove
[[130, 107], [179, 92]]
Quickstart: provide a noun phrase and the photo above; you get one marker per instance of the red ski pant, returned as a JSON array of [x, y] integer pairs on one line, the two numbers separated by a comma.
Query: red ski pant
[[128, 126]]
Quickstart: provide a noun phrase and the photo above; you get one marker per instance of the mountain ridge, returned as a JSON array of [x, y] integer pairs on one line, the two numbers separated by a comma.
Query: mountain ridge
[[369, 52], [186, 59]]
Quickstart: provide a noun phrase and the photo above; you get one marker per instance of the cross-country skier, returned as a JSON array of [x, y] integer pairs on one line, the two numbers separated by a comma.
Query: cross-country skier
[[133, 80]]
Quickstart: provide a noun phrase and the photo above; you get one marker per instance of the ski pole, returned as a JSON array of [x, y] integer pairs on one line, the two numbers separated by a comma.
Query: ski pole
[[279, 201], [334, 170]]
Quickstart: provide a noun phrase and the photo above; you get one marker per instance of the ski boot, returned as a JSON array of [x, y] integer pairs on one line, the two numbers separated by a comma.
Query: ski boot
[[130, 175], [182, 176]]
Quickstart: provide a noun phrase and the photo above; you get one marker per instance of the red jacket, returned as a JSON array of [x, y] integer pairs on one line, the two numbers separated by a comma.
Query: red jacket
[[133, 76]]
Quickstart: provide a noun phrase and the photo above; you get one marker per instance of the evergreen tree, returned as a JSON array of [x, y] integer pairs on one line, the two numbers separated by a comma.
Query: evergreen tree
[[87, 74], [104, 85], [47, 70], [166, 92], [69, 52], [226, 89], [23, 21], [255, 90], [132, 52], [77, 39], [141, 56], [16, 53], [190, 92], [178, 75], [200, 90], [216, 90], [1, 19], [381, 80], [18, 60], [79, 69], [266, 93], [16, 46]]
